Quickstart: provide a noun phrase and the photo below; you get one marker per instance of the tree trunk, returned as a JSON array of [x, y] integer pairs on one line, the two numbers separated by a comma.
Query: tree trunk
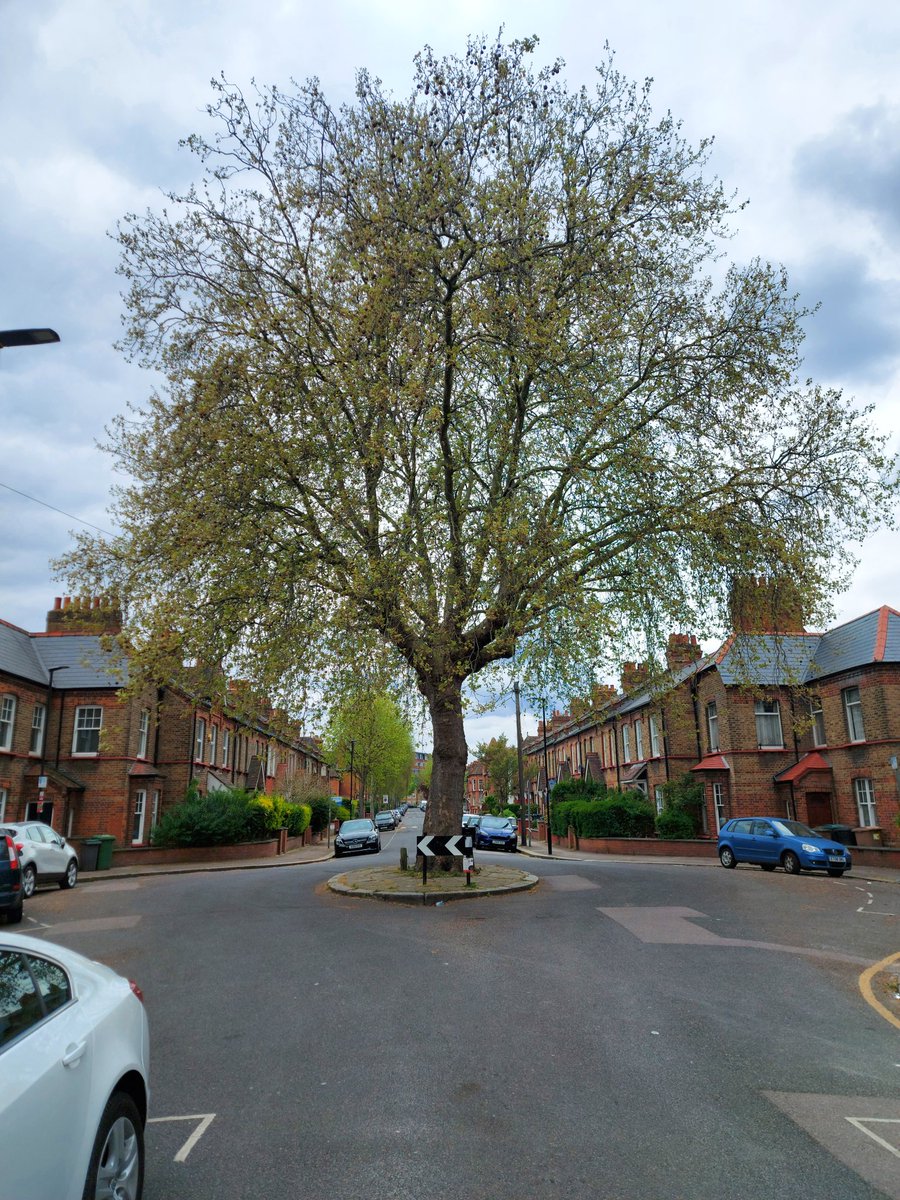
[[448, 767]]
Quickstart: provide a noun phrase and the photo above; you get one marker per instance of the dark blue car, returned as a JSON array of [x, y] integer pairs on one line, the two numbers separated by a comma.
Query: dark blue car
[[772, 842], [495, 833], [11, 891]]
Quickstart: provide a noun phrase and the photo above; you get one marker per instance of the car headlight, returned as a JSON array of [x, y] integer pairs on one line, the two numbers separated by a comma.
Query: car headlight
[[811, 849]]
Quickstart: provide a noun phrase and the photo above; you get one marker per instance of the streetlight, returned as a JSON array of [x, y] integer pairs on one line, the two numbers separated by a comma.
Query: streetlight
[[352, 748], [27, 337], [546, 776], [51, 671]]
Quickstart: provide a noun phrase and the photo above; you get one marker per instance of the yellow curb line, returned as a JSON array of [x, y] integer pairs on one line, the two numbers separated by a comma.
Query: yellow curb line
[[865, 986]]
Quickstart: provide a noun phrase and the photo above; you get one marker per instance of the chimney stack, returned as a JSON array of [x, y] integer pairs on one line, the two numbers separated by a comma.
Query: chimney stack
[[761, 604], [93, 615], [634, 675], [682, 650]]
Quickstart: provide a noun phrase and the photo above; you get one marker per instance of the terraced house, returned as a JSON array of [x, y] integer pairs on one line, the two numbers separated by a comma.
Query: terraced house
[[77, 755], [781, 722]]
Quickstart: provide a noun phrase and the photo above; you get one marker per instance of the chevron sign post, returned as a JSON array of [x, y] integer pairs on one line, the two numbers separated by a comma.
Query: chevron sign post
[[434, 845]]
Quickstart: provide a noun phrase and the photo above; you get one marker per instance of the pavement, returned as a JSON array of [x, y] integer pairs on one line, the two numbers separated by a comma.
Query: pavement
[[320, 853]]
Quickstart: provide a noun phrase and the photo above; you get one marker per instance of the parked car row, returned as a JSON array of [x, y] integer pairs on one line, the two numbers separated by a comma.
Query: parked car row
[[32, 853]]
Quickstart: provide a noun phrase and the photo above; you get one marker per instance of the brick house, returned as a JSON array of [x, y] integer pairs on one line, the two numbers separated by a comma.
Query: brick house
[[797, 723], [478, 784], [77, 755]]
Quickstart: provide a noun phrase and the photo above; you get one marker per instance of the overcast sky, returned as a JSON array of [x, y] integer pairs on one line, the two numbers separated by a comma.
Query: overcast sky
[[803, 99]]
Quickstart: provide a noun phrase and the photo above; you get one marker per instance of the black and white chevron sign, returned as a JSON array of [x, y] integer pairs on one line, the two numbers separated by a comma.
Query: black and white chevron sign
[[433, 845]]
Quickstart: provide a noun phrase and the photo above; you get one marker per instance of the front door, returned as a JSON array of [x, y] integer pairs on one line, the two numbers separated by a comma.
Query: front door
[[818, 808]]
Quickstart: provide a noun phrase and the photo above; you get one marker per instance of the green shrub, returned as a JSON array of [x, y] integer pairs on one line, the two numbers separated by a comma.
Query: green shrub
[[220, 819], [616, 815], [675, 823]]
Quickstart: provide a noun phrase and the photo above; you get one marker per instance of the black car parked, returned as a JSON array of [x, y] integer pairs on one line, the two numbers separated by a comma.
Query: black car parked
[[357, 837], [11, 894]]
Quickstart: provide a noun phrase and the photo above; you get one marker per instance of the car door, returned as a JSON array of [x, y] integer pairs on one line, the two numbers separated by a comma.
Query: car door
[[46, 856], [45, 1077], [741, 839], [57, 852], [765, 847]]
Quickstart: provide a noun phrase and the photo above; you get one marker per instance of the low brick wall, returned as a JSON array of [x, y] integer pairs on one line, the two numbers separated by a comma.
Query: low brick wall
[[133, 856]]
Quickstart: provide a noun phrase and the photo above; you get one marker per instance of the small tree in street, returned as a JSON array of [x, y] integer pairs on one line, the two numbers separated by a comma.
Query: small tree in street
[[456, 377], [382, 743], [502, 765]]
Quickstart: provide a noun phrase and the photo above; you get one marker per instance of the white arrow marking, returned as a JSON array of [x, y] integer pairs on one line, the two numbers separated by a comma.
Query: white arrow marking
[[205, 1120]]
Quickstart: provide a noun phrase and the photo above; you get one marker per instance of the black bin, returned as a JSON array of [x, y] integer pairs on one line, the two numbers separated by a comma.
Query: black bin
[[838, 833], [88, 854]]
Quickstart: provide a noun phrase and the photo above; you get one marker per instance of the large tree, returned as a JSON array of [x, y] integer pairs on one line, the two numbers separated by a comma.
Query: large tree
[[369, 729], [457, 377]]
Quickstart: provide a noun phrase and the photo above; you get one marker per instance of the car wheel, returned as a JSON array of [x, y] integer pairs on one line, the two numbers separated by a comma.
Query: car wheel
[[71, 876], [338, 853], [14, 915], [767, 866], [29, 881], [835, 872], [726, 857], [790, 862], [117, 1160]]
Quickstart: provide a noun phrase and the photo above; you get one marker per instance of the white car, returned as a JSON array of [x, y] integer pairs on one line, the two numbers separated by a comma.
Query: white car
[[44, 854], [74, 1070]]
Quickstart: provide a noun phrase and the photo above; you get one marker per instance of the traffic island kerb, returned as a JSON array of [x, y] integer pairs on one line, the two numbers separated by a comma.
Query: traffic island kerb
[[406, 887]]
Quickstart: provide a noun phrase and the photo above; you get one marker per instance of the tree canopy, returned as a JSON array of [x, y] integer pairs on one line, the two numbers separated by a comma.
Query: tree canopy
[[382, 744], [455, 377]]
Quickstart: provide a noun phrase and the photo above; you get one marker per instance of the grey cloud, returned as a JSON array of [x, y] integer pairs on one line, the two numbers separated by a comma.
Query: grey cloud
[[854, 337], [858, 164]]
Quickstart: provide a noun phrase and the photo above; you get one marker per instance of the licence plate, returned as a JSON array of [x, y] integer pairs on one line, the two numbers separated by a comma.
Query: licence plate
[[499, 841]]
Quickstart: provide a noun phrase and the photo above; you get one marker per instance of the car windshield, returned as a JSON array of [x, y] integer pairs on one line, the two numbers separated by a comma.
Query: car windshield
[[495, 823], [795, 829], [356, 826]]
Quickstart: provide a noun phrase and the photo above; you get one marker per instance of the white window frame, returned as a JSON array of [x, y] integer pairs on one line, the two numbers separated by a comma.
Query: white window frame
[[659, 797], [271, 759], [654, 737], [768, 714], [4, 796], [226, 746], [626, 743], [38, 724], [138, 815], [712, 725], [7, 721], [143, 732], [718, 790], [853, 714], [200, 741], [154, 811], [213, 743], [817, 716], [88, 726], [864, 794], [638, 741]]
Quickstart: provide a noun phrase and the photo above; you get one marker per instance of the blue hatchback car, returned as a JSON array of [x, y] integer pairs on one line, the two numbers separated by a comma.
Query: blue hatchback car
[[772, 842]]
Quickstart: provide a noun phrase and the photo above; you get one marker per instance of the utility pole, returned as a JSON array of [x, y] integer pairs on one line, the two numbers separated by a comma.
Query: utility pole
[[523, 820], [546, 778]]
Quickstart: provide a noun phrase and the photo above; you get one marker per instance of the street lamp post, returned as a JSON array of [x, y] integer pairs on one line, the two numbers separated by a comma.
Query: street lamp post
[[521, 768], [352, 748], [27, 337], [546, 777]]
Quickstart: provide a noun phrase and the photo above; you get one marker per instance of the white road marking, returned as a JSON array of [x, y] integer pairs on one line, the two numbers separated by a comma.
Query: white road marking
[[205, 1119], [860, 1124]]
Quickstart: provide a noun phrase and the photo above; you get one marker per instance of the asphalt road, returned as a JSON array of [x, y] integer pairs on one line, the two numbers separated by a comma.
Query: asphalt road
[[625, 1031]]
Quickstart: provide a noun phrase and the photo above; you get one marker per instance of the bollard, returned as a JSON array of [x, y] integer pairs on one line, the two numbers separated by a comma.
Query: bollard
[[404, 861]]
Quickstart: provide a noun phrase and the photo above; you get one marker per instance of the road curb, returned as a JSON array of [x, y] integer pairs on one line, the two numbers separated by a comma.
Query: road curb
[[429, 899]]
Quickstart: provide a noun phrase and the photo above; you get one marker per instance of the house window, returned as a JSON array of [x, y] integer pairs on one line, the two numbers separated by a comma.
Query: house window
[[853, 714], [865, 801], [37, 729], [818, 722], [712, 725], [226, 747], [719, 804], [626, 743], [4, 794], [143, 732], [137, 820], [88, 722], [7, 720], [200, 741], [654, 737], [768, 724], [659, 797], [638, 740], [271, 759], [213, 743], [154, 812]]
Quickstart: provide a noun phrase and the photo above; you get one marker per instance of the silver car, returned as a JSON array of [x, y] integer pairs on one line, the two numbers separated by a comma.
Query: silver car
[[44, 855]]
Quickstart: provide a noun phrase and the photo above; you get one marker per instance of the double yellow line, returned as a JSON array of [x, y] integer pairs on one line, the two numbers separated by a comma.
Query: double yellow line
[[865, 986]]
